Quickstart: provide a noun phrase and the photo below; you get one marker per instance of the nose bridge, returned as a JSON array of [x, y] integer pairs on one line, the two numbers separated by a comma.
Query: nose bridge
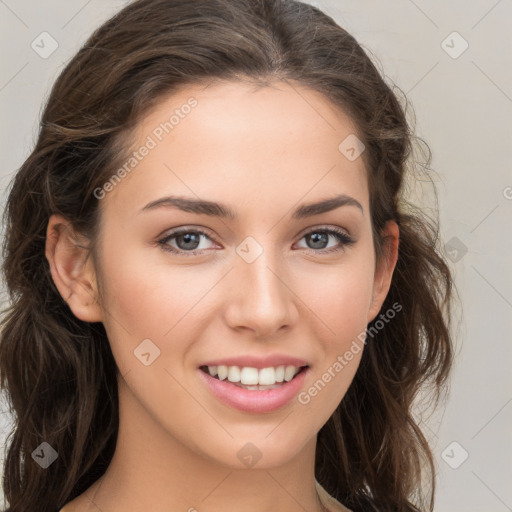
[[259, 298], [263, 285]]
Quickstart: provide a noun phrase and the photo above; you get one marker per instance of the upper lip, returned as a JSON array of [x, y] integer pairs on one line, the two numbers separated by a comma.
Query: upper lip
[[258, 361]]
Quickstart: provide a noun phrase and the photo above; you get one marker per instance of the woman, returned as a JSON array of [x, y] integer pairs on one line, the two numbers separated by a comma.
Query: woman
[[221, 298]]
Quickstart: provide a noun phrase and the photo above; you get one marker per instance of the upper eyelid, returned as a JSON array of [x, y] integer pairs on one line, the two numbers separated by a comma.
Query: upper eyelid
[[324, 227], [206, 231]]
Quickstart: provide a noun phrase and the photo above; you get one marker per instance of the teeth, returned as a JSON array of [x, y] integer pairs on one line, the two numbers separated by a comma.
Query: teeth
[[233, 374], [290, 372], [252, 376], [248, 376], [266, 376], [279, 374], [222, 372]]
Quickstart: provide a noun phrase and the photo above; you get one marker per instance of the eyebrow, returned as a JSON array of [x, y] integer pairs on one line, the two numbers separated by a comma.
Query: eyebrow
[[204, 207]]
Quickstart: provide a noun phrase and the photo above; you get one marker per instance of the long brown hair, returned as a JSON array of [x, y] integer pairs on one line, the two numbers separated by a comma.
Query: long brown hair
[[58, 371]]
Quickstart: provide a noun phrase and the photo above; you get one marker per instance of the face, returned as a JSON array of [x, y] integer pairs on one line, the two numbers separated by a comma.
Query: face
[[263, 275]]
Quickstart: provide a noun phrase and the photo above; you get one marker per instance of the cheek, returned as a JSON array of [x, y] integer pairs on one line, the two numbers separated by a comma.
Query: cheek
[[340, 296], [149, 301], [341, 305], [345, 296]]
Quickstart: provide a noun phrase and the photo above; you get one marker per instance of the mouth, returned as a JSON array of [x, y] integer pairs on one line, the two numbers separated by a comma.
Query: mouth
[[253, 379], [253, 390]]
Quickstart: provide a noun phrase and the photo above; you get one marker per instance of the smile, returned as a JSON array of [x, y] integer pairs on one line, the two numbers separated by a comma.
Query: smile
[[254, 397]]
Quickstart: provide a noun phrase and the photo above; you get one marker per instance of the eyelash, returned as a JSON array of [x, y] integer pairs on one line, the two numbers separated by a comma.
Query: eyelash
[[340, 235]]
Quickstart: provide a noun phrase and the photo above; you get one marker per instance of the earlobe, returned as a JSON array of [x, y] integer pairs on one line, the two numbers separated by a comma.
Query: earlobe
[[385, 268], [72, 270]]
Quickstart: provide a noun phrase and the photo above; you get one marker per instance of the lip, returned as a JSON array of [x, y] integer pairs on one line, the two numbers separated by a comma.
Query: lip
[[258, 362], [268, 400]]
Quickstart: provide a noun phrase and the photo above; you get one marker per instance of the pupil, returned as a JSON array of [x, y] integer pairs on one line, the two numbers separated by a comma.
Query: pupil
[[318, 238], [188, 238]]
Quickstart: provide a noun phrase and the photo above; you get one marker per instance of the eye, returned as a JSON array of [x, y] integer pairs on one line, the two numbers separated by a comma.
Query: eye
[[188, 242], [319, 239]]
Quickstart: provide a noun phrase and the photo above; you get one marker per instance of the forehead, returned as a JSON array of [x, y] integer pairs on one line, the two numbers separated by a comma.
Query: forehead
[[231, 139]]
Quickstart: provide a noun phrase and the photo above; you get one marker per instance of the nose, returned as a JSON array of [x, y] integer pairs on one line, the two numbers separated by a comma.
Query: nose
[[259, 298]]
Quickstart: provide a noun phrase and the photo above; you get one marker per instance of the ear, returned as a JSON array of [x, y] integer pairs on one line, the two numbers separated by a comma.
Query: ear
[[72, 270], [384, 269]]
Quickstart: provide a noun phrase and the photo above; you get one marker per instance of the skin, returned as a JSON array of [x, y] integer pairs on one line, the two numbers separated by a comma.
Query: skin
[[262, 152]]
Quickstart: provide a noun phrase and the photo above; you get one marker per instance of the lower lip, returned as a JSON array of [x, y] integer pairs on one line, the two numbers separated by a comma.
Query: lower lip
[[267, 400]]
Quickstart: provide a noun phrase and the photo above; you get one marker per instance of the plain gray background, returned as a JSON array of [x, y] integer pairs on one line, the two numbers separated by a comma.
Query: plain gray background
[[463, 105]]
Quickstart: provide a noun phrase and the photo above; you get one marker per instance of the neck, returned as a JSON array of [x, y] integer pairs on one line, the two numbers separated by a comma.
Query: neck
[[152, 470]]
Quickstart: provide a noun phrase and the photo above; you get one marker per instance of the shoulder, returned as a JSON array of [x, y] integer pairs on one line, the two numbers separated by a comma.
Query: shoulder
[[330, 503], [72, 506]]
